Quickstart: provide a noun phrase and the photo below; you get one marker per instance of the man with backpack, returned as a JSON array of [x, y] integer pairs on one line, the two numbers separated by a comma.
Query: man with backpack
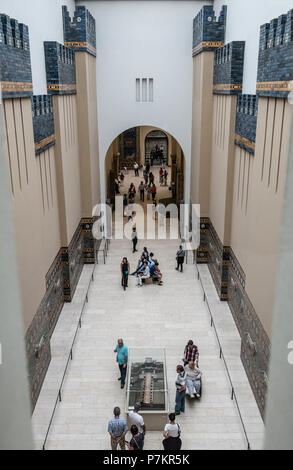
[[180, 255]]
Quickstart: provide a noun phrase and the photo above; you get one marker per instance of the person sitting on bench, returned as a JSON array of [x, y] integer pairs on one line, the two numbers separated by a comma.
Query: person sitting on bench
[[193, 379], [144, 273], [139, 265], [157, 276]]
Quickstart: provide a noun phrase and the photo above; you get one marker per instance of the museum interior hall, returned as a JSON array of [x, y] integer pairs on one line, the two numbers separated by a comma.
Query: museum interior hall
[[146, 181]]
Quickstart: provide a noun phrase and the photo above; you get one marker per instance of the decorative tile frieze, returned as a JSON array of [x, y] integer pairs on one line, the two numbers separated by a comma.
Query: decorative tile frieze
[[43, 122], [60, 69], [15, 61], [80, 33], [228, 68], [37, 338], [246, 122], [208, 32], [275, 60], [255, 344]]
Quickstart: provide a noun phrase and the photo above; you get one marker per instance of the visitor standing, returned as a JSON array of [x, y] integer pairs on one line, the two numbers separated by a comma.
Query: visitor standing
[[171, 434], [136, 167], [141, 191], [135, 418], [117, 428], [137, 441], [134, 239], [122, 358], [191, 353], [125, 269], [180, 255], [180, 390], [154, 191]]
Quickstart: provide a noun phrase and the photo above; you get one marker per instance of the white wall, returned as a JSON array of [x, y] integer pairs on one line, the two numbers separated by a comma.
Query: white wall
[[243, 23], [144, 39], [44, 19]]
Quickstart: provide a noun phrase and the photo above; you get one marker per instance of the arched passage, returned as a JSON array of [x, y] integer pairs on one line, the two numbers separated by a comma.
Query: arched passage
[[132, 146]]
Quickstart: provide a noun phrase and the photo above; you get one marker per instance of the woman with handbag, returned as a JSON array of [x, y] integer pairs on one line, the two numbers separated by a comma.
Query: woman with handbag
[[125, 268], [137, 441], [171, 434]]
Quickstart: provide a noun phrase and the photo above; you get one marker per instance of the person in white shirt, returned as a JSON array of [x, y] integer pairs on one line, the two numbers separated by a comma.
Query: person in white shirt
[[136, 418], [171, 434], [193, 379], [143, 274], [136, 167]]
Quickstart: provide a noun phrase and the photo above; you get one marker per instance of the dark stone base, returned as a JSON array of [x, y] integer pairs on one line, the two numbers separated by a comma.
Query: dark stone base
[[229, 279], [61, 282]]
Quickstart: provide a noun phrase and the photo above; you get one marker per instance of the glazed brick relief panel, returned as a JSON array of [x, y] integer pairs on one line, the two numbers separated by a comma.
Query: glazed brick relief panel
[[228, 68], [246, 122], [275, 61], [15, 61], [208, 32], [37, 338], [255, 344], [80, 32]]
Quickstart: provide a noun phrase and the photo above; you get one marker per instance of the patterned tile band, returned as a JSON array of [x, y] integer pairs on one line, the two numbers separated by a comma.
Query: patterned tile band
[[275, 86], [61, 87], [80, 45], [207, 44], [228, 87], [43, 143], [244, 141], [16, 86]]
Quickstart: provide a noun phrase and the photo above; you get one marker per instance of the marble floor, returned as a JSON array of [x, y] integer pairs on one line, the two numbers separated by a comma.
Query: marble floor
[[150, 316]]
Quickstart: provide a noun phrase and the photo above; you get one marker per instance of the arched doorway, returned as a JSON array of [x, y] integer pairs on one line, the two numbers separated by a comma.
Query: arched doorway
[[156, 148], [134, 145]]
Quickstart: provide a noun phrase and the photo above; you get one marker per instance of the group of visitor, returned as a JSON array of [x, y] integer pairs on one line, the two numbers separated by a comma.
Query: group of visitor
[[188, 381], [163, 174], [118, 428], [157, 153], [147, 267]]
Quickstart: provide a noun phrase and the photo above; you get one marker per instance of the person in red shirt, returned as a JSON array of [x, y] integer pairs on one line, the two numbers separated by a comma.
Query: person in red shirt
[[191, 353], [154, 191]]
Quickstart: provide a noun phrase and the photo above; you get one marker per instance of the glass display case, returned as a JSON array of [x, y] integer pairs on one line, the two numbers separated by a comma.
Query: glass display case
[[147, 385]]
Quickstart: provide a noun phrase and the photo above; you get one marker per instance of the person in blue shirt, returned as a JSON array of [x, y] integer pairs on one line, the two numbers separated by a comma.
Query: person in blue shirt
[[151, 264], [117, 428], [122, 357]]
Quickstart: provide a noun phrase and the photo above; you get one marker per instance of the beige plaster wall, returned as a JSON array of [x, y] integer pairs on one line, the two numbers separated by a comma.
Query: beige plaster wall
[[87, 131], [35, 205], [202, 118], [265, 204], [222, 165], [68, 165]]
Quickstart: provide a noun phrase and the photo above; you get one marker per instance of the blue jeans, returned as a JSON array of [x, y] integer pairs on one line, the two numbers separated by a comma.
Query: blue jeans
[[180, 401], [123, 373]]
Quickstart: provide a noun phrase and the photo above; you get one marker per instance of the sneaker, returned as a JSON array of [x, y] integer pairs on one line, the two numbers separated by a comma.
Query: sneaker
[[197, 395], [119, 378], [122, 385], [192, 395]]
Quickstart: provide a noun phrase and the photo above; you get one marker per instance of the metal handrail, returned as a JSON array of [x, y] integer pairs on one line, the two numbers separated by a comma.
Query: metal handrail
[[70, 356], [222, 356]]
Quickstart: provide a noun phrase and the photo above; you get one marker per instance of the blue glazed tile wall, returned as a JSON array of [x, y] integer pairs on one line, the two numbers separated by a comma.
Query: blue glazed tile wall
[[275, 61], [246, 121], [60, 68], [15, 61], [228, 68], [43, 122], [80, 33], [207, 29]]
